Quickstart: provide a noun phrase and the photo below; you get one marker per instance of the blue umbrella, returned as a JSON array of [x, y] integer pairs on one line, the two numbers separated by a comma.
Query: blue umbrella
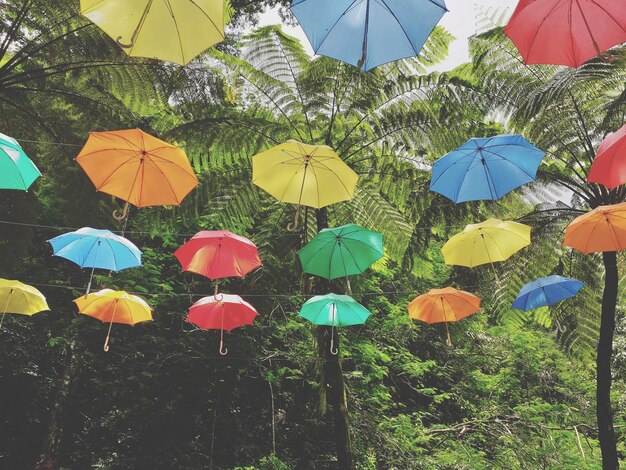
[[92, 248], [546, 291], [486, 169], [368, 33]]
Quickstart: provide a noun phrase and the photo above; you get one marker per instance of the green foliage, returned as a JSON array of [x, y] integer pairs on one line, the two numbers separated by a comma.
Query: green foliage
[[505, 396]]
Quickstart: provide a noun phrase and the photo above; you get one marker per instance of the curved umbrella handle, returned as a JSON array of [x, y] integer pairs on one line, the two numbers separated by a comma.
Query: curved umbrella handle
[[106, 344], [333, 350], [292, 227], [121, 216], [223, 350], [133, 39]]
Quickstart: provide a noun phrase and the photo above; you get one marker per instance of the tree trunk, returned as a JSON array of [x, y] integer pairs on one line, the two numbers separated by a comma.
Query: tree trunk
[[331, 377], [606, 433], [56, 424]]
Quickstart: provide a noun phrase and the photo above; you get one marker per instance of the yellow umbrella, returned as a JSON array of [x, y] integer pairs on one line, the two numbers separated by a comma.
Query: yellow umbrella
[[175, 31], [111, 306], [488, 242], [302, 174], [21, 299]]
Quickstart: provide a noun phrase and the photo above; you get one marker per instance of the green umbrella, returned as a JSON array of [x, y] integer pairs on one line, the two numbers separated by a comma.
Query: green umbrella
[[17, 171], [341, 252], [334, 310]]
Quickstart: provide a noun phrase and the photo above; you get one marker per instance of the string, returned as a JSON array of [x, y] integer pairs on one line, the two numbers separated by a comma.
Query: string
[[174, 294], [182, 235]]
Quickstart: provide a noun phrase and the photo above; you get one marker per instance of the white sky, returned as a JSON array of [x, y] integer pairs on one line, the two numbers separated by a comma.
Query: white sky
[[460, 21]]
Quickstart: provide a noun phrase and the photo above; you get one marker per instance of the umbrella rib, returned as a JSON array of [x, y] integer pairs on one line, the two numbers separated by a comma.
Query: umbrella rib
[[108, 178], [291, 181], [295, 159], [317, 187], [130, 312], [113, 254], [608, 14], [534, 40], [432, 310], [330, 261], [207, 16], [366, 244], [130, 142], [324, 245], [88, 253], [512, 163], [334, 174], [235, 258], [180, 41], [165, 160], [336, 22], [384, 4], [149, 158], [459, 296]]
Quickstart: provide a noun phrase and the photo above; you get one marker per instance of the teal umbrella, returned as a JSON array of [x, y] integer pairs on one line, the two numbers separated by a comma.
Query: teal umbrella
[[17, 171], [341, 252], [334, 310]]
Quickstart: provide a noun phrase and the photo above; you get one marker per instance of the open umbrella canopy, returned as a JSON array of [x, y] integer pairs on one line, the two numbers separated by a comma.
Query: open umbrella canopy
[[488, 242], [111, 306], [108, 306], [368, 33], [601, 230], [444, 305], [566, 32], [222, 312], [308, 175], [341, 251], [17, 171], [486, 168], [92, 248], [334, 310], [175, 31], [609, 166], [546, 291], [137, 168], [21, 299], [219, 254]]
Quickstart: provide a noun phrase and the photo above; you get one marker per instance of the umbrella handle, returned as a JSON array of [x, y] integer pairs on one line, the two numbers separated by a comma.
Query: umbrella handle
[[133, 39], [449, 339], [121, 216], [217, 296], [106, 340], [333, 350], [296, 221], [223, 350], [6, 306]]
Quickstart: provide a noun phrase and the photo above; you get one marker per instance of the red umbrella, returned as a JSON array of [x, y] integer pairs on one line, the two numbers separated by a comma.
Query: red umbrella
[[566, 32], [609, 166], [224, 313], [218, 254]]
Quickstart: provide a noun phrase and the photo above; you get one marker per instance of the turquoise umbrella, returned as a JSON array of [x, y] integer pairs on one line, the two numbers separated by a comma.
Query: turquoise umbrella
[[341, 252], [17, 171], [334, 310]]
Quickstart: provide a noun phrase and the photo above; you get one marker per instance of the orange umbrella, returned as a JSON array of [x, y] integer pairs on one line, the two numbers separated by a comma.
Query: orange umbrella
[[602, 229], [444, 305], [138, 168]]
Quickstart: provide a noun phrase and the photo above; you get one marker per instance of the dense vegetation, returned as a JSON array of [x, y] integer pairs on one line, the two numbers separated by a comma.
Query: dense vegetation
[[515, 391]]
